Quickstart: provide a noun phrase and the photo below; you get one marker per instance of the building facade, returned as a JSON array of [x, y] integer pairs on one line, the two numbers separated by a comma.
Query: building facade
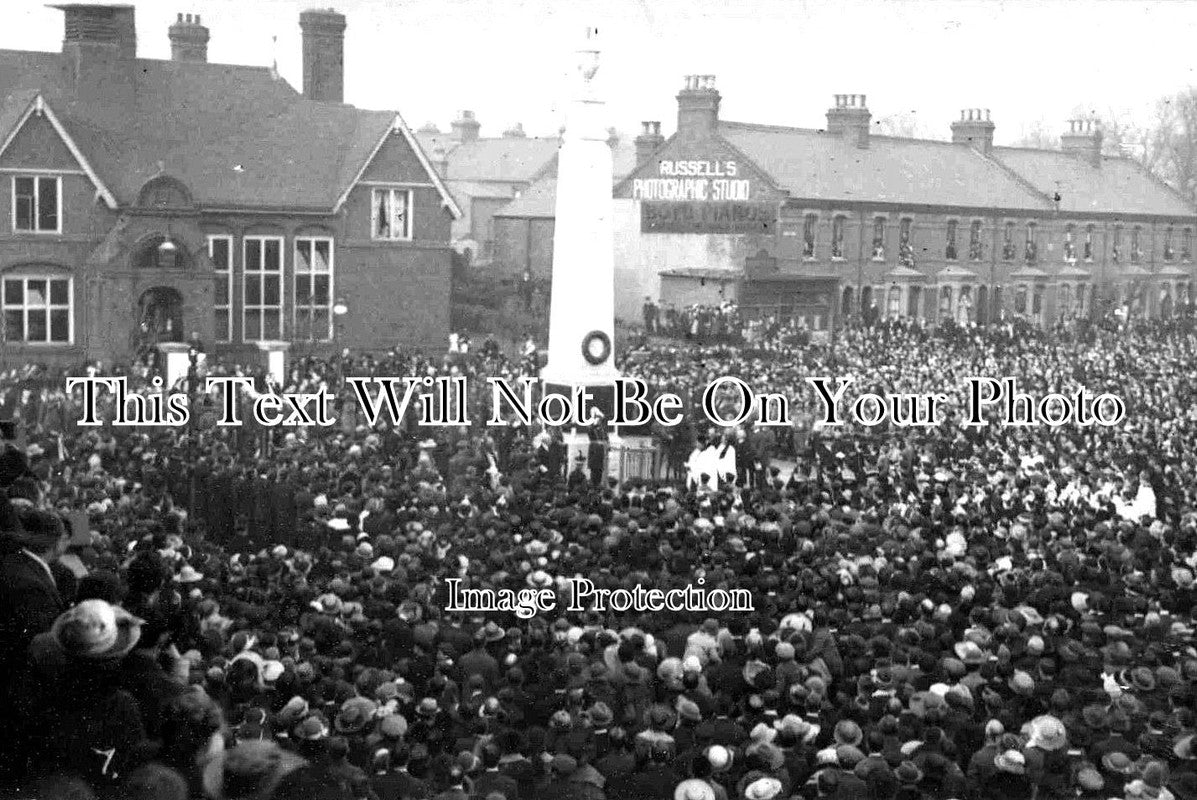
[[144, 201], [819, 224], [485, 174]]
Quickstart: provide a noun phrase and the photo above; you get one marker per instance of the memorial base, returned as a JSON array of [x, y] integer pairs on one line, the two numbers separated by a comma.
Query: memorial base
[[175, 356]]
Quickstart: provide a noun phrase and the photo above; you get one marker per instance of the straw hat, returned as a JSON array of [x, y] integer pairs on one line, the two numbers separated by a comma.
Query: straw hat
[[96, 630]]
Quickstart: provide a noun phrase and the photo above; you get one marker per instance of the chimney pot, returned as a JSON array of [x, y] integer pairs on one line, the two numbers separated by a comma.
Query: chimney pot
[[466, 128], [648, 142], [850, 119], [698, 105], [974, 129], [323, 55], [188, 39]]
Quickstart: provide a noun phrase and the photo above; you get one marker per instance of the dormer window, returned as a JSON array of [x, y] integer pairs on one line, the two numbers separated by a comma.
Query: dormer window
[[36, 204], [391, 217]]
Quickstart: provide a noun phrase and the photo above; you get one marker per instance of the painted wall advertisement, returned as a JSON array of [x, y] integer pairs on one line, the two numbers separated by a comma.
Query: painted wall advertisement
[[701, 196]]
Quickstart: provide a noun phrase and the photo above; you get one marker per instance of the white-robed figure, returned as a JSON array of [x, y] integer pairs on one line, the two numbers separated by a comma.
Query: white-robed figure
[[716, 461]]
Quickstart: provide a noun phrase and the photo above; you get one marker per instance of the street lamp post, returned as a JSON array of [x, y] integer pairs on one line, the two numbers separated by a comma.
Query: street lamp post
[[339, 310]]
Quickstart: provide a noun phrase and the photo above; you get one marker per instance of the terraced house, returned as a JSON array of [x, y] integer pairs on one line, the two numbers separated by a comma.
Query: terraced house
[[146, 200], [839, 221]]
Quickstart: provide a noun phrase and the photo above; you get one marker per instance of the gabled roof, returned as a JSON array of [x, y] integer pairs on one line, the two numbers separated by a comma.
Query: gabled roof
[[539, 201], [516, 159], [1118, 186], [399, 126], [820, 166], [39, 106], [237, 136]]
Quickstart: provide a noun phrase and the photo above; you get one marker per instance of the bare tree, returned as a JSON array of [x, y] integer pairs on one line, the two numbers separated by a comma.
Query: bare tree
[[1170, 143], [1039, 135], [1120, 136], [905, 125]]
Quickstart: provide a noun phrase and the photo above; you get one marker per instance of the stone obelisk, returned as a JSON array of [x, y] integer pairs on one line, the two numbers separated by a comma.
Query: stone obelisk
[[582, 306]]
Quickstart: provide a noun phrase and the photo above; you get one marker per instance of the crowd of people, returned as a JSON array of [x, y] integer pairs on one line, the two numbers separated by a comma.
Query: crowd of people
[[699, 322], [938, 612]]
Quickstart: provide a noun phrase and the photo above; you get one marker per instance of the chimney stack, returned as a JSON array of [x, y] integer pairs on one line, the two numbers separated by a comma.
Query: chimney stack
[[188, 39], [465, 128], [698, 106], [974, 129], [1083, 139], [648, 141], [323, 55], [516, 131], [99, 43], [440, 161], [850, 119]]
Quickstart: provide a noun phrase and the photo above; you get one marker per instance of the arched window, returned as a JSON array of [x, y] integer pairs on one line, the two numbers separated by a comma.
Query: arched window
[[1069, 245], [160, 252], [837, 237], [976, 250], [1065, 300], [1031, 247], [906, 243], [964, 306], [808, 236], [1169, 253], [950, 246], [1020, 299], [1186, 245], [945, 303], [1008, 249], [1116, 248], [894, 304], [879, 238], [1136, 254]]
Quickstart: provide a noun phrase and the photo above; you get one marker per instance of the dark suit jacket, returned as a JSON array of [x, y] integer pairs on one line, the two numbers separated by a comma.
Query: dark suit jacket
[[29, 604]]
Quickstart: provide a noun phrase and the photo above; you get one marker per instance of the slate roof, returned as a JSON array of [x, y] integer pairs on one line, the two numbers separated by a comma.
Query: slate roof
[[509, 158], [1118, 186], [237, 136], [816, 165], [539, 201]]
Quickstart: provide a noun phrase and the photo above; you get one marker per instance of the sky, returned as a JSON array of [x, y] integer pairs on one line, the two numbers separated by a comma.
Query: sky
[[1031, 62]]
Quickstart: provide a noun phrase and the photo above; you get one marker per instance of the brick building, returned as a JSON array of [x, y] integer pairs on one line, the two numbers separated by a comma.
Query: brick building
[[523, 229], [820, 223], [147, 200], [485, 174]]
